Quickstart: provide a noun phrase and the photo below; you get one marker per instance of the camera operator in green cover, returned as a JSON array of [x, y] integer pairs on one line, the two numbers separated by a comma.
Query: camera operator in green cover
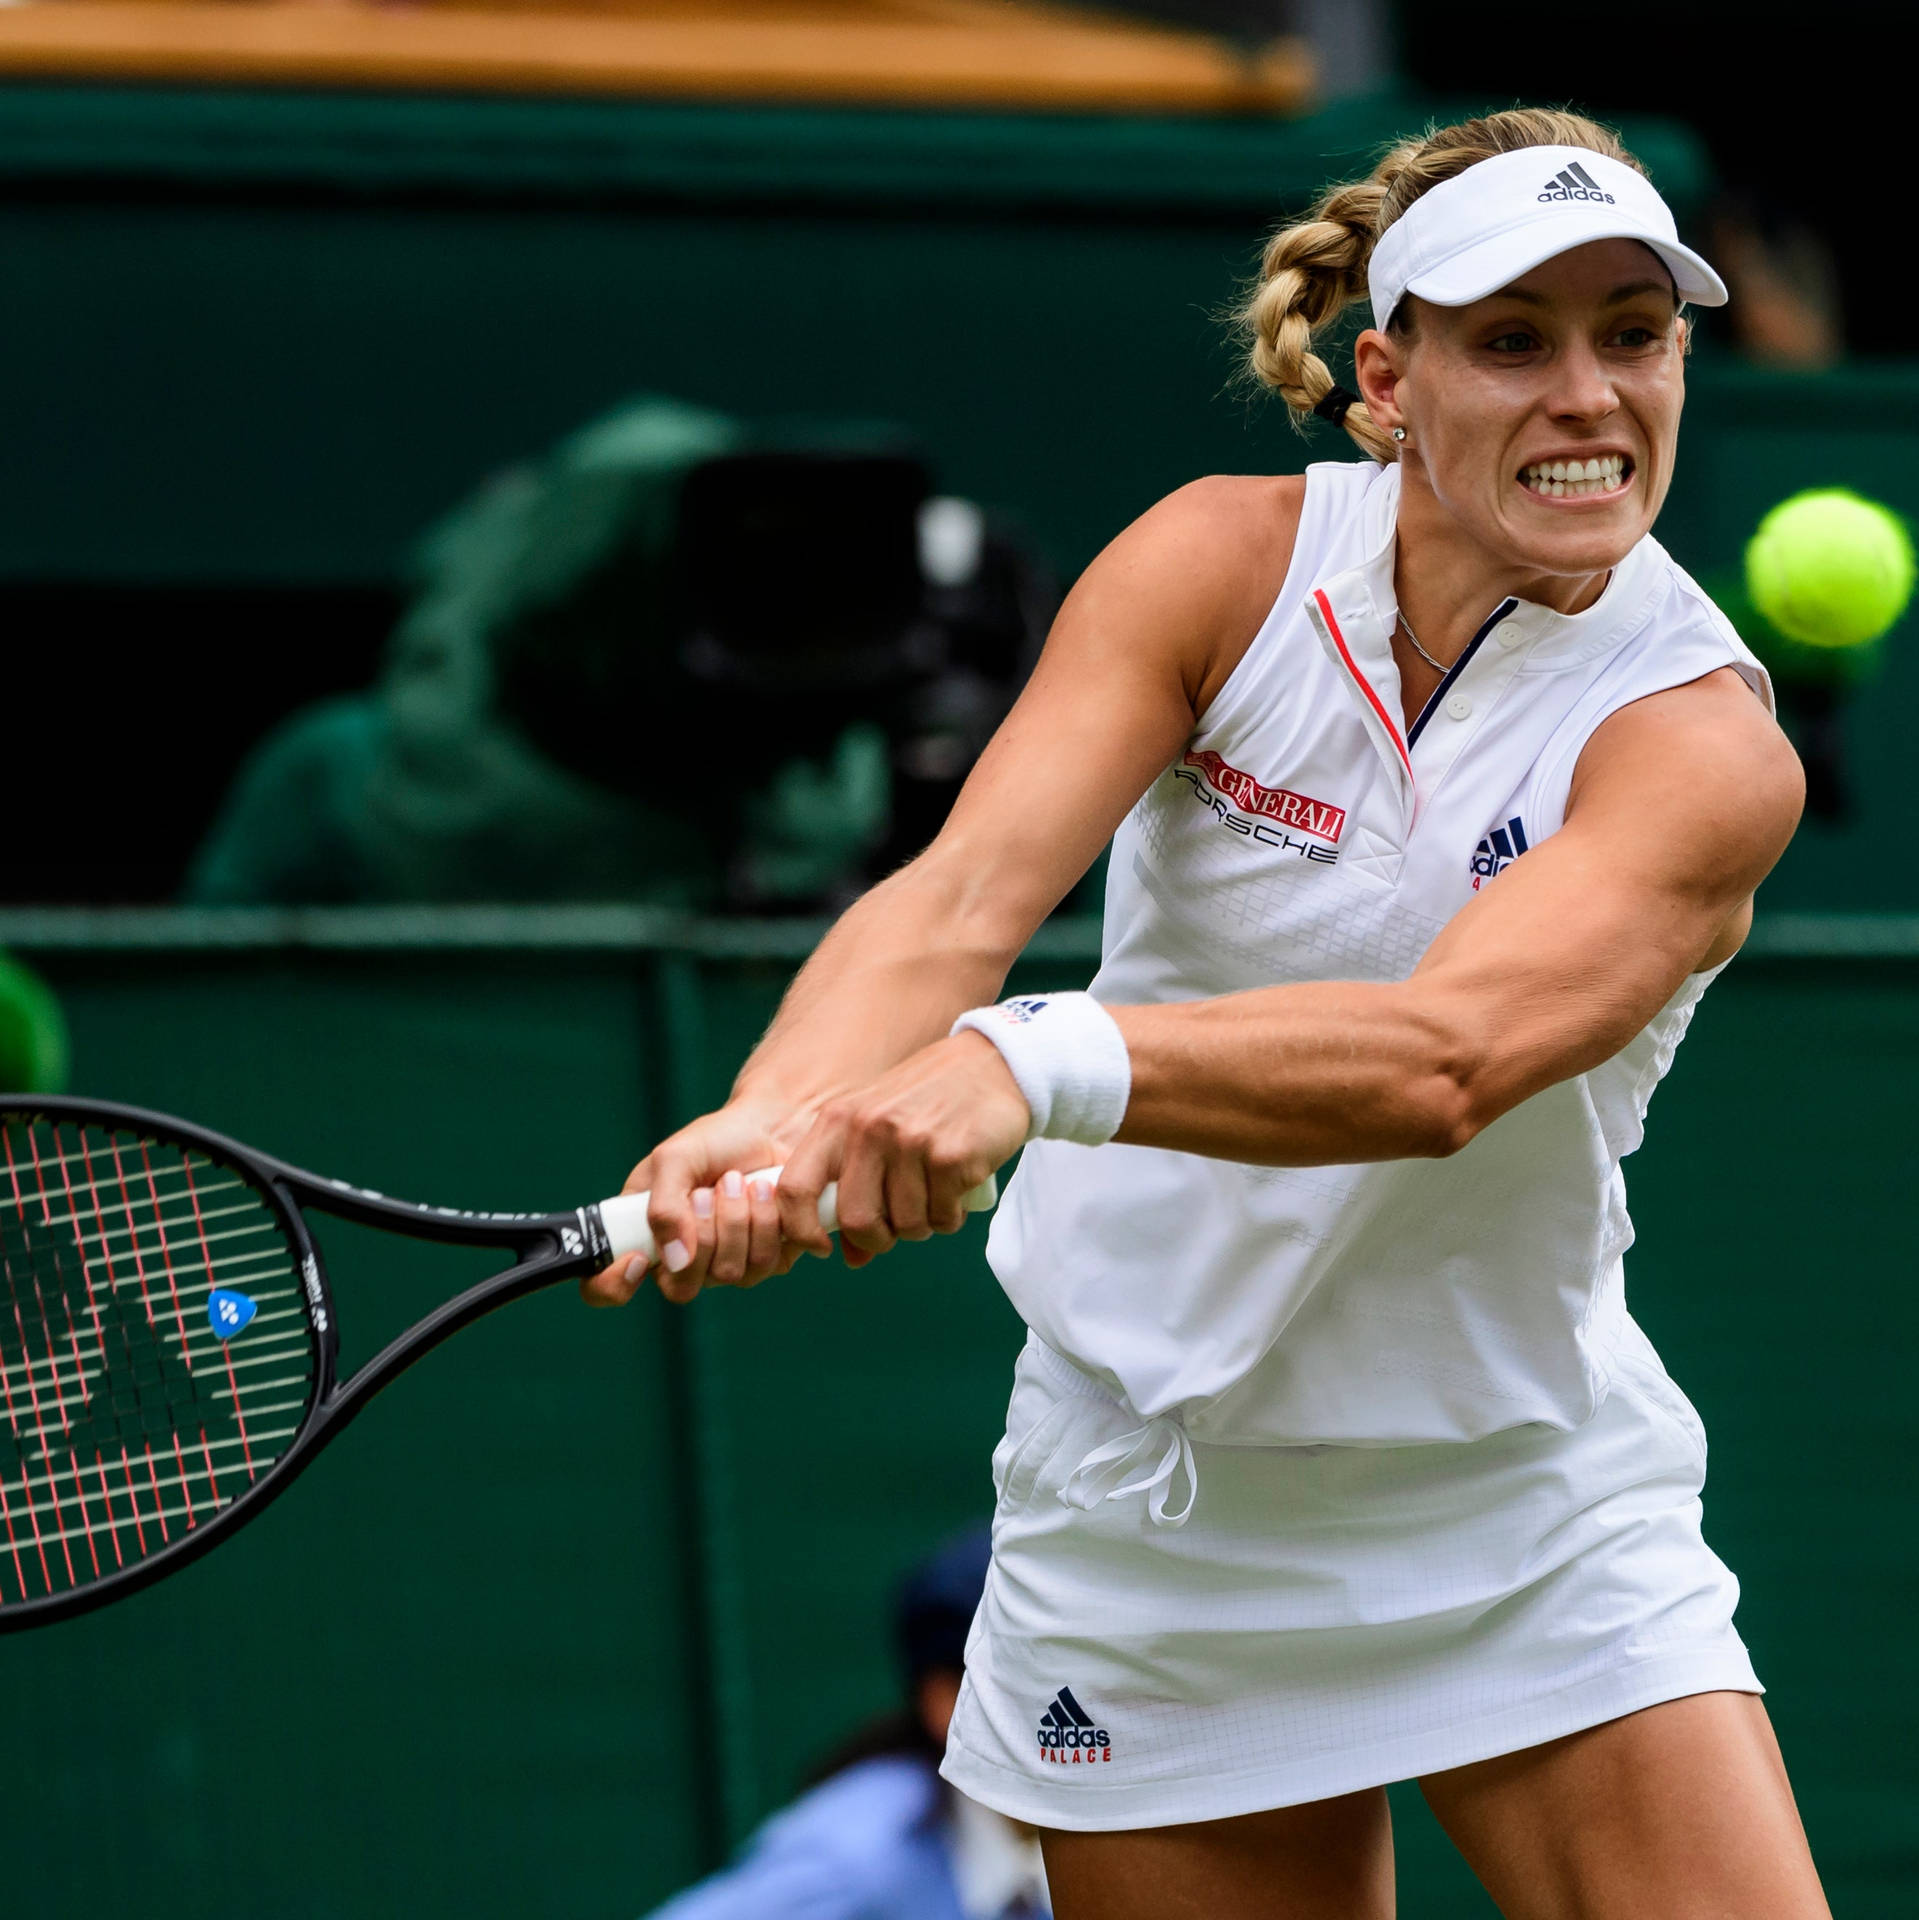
[[675, 663]]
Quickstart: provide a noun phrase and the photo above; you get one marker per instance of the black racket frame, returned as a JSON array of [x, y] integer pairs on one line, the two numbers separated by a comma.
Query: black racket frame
[[547, 1249]]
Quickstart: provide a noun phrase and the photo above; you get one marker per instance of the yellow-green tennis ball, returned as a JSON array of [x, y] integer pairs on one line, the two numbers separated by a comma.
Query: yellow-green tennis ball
[[1830, 568]]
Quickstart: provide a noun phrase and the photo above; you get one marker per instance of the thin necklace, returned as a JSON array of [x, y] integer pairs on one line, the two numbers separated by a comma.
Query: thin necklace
[[1418, 649]]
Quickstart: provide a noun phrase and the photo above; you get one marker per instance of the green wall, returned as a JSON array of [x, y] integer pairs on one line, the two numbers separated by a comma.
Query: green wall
[[270, 335], [578, 1600], [450, 1676], [265, 338]]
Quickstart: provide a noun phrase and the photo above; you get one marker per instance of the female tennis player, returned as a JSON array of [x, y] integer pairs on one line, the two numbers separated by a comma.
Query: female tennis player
[[1438, 795]]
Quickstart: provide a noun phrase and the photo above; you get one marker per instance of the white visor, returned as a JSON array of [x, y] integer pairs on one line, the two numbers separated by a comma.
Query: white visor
[[1482, 229]]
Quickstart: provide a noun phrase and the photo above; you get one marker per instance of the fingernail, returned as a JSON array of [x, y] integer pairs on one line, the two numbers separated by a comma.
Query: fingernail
[[733, 1185], [762, 1189], [676, 1257], [703, 1201], [635, 1270]]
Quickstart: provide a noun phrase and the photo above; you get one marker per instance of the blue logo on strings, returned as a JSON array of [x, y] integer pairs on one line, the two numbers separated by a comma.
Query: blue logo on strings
[[229, 1311]]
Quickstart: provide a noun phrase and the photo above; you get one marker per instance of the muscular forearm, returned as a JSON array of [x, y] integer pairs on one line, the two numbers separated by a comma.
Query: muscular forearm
[[1311, 1075], [894, 973], [1536, 979]]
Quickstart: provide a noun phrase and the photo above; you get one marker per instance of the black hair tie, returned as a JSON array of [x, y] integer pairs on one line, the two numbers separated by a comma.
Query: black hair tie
[[1334, 406]]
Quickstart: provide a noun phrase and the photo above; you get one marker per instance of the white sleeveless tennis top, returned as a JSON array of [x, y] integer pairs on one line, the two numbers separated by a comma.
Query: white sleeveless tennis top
[[1306, 835]]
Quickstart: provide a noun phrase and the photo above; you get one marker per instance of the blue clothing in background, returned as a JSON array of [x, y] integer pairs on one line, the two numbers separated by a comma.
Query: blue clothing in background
[[869, 1844]]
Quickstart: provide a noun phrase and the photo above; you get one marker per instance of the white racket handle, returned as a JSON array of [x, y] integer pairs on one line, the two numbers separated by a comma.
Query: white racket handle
[[626, 1225]]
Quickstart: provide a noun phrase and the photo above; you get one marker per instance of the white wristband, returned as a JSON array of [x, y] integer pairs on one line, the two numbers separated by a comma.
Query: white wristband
[[1069, 1058]]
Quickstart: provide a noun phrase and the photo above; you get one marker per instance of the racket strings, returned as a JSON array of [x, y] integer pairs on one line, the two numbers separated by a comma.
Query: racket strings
[[156, 1355], [48, 1368]]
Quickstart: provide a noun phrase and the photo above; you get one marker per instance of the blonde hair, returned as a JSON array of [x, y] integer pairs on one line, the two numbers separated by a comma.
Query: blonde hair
[[1313, 270]]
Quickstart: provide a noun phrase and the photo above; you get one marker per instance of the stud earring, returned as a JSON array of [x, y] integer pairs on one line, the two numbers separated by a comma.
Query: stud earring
[[1399, 433]]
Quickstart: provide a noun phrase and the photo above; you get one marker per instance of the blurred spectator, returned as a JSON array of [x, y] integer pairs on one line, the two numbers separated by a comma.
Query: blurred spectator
[[1785, 286], [673, 663], [880, 1836]]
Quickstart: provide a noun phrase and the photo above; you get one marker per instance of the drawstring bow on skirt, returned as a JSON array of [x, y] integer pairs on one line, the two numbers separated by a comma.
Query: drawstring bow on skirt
[[1158, 1456]]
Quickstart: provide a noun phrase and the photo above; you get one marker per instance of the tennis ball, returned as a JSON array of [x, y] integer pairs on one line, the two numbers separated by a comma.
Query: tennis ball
[[33, 1033], [1829, 568]]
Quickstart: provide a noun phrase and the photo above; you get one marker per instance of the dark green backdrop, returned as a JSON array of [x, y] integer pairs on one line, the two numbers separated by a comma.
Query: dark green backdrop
[[577, 1601], [265, 338], [563, 1614]]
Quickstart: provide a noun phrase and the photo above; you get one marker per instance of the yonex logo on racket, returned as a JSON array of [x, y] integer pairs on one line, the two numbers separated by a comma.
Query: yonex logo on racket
[[229, 1312], [316, 1293], [1575, 183], [1068, 1736]]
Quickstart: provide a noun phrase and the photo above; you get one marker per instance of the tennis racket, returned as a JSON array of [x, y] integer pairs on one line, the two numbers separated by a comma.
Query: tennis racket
[[169, 1342]]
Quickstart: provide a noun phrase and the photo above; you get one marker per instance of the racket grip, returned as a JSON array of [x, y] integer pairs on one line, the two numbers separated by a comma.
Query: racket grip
[[626, 1224]]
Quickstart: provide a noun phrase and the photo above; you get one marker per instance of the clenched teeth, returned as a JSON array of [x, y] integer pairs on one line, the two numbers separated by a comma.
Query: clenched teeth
[[1569, 479]]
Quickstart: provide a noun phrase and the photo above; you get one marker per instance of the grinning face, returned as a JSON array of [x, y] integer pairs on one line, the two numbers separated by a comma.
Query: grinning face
[[1507, 404]]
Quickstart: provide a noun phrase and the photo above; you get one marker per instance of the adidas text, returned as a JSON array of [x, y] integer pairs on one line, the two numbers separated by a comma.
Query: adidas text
[[1068, 1737], [1575, 183], [1500, 848]]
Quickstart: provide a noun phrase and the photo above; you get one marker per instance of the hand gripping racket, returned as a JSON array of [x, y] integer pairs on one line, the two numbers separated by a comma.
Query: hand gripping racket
[[168, 1338]]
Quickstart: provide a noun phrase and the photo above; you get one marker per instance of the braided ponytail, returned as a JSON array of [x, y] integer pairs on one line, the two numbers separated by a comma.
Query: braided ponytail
[[1313, 270]]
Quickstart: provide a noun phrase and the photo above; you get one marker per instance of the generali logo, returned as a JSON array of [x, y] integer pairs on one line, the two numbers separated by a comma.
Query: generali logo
[[1317, 817]]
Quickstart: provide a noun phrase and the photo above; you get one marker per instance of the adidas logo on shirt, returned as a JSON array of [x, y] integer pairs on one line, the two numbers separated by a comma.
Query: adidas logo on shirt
[[1068, 1737], [1498, 851], [1575, 183]]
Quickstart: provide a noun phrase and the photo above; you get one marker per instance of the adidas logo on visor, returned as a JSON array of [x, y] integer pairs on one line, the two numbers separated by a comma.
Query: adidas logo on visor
[[1575, 183], [1068, 1737]]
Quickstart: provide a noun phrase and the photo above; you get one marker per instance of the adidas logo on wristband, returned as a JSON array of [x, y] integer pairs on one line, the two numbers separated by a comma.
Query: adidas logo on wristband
[[1072, 1068], [1021, 1011]]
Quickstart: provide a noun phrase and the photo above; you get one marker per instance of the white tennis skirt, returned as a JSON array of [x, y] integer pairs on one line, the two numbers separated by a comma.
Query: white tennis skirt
[[1174, 1632]]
